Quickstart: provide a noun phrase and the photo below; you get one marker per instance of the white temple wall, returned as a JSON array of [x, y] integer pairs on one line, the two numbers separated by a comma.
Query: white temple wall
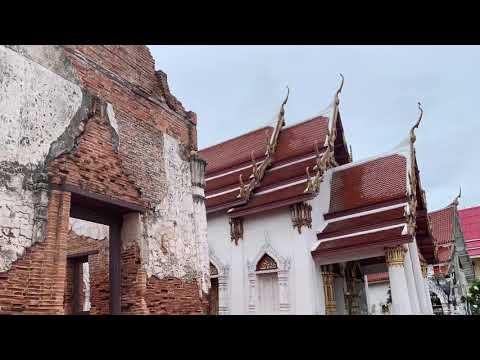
[[273, 228], [377, 295]]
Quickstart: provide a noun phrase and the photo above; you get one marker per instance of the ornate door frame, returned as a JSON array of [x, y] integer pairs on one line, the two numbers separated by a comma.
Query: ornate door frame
[[283, 272], [223, 288]]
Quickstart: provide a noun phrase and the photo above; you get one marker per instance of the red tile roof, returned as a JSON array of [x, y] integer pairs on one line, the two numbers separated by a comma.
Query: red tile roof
[[295, 151], [236, 151], [376, 181], [368, 186], [371, 278], [442, 225], [352, 244], [470, 221], [293, 141]]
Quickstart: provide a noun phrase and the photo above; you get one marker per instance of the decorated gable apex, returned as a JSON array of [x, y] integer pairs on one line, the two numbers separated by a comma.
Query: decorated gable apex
[[267, 168], [376, 203], [448, 228]]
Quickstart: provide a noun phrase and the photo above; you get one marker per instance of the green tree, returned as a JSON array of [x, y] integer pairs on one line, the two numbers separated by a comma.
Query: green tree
[[473, 297]]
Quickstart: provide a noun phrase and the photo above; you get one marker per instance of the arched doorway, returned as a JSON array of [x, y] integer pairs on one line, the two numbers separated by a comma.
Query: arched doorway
[[267, 280]]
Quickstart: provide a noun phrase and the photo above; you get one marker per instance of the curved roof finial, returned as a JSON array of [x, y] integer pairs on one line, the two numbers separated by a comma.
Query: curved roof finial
[[455, 201], [417, 124], [286, 99], [337, 101]]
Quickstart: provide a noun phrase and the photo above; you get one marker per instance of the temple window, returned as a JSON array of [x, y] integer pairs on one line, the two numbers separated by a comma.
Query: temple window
[[268, 292]]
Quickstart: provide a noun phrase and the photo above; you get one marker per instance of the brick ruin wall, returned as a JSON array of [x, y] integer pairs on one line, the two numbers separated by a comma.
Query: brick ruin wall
[[102, 119]]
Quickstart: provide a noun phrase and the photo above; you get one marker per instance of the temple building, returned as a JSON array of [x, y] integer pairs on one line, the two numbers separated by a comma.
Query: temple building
[[295, 226], [101, 190], [450, 274], [470, 220]]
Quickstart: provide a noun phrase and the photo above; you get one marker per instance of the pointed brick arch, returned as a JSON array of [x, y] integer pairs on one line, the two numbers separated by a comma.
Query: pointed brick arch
[[95, 164]]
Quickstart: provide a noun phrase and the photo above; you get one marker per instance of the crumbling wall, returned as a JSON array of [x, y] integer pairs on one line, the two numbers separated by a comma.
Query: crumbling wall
[[38, 113], [100, 118], [98, 265], [156, 136]]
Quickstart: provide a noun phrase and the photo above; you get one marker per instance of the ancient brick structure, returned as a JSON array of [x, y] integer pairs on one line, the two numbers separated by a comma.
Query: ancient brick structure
[[93, 132]]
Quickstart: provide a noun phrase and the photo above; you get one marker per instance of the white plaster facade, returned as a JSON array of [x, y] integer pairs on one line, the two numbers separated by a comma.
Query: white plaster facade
[[175, 242]]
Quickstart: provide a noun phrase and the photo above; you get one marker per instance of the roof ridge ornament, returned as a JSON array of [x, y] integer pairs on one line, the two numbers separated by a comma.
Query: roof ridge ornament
[[411, 214], [455, 201], [258, 172], [413, 138], [327, 159]]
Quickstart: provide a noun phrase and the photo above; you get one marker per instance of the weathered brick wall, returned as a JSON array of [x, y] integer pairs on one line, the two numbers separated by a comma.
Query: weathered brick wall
[[121, 133], [35, 283], [175, 297], [98, 273], [94, 165], [125, 77]]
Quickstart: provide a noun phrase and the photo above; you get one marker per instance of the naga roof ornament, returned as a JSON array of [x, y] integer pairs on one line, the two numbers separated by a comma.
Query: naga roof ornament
[[411, 211], [258, 172], [326, 160], [455, 201]]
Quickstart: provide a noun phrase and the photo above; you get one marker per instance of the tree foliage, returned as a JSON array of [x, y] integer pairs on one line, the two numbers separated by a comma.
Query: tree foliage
[[473, 297]]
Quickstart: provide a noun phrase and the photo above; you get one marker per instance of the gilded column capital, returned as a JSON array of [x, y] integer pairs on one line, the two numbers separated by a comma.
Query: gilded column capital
[[424, 267], [395, 255]]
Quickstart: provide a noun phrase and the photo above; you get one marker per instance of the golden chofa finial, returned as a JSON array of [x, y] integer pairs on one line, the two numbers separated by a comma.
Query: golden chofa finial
[[417, 124]]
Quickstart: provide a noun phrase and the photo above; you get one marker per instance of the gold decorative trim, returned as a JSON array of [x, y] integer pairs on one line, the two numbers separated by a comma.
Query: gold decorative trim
[[424, 267], [328, 289], [236, 229], [258, 172], [395, 255], [301, 215], [326, 160]]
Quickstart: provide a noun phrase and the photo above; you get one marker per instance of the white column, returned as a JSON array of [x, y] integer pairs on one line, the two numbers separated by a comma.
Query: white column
[[398, 283], [412, 290], [427, 290], [419, 280]]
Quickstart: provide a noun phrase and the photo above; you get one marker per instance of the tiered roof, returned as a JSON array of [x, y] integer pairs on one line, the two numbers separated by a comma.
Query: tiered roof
[[284, 182], [367, 205], [375, 204], [442, 230], [470, 221]]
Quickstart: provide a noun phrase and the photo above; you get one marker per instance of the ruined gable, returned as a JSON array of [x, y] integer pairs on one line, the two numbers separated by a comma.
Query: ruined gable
[[100, 120]]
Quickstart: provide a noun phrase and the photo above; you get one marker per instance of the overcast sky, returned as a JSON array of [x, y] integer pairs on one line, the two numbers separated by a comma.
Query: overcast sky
[[235, 89]]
